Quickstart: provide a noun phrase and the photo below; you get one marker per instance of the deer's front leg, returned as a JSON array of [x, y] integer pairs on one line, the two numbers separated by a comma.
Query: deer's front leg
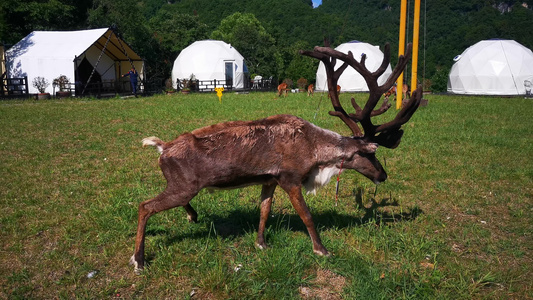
[[267, 195], [297, 200]]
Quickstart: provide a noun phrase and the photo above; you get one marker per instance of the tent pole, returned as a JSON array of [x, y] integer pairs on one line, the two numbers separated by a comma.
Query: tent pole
[[76, 75]]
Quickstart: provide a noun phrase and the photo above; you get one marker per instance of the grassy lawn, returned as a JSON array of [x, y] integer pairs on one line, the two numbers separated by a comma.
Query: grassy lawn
[[453, 221]]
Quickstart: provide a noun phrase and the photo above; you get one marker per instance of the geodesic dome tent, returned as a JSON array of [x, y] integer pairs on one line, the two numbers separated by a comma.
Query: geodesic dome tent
[[351, 80], [209, 60], [492, 67]]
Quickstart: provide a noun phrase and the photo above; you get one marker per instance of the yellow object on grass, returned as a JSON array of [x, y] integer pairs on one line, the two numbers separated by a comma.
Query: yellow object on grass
[[219, 93]]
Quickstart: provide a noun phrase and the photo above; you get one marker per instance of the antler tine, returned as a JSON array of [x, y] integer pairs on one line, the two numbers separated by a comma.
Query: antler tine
[[333, 75], [337, 106], [385, 62], [383, 108], [402, 62], [405, 113], [375, 90], [391, 133]]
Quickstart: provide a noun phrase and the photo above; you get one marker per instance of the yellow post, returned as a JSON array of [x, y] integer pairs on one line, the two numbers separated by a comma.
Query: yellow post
[[416, 29], [219, 91], [401, 51]]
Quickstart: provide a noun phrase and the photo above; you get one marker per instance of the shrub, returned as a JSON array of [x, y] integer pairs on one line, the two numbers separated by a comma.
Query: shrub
[[301, 83], [40, 83]]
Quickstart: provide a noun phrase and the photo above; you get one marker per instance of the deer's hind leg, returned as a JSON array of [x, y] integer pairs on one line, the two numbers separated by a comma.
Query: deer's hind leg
[[192, 216], [166, 200]]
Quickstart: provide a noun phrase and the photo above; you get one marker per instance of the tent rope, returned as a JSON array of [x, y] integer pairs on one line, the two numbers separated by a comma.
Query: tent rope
[[96, 65]]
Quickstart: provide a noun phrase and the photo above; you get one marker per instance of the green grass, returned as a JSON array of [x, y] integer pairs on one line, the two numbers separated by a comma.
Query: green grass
[[453, 221]]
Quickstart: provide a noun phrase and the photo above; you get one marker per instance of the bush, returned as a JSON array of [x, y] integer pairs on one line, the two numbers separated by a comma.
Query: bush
[[62, 82], [439, 81], [40, 83], [289, 82], [301, 83]]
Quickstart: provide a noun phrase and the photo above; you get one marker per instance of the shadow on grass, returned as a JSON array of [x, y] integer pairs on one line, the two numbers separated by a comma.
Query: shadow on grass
[[241, 220]]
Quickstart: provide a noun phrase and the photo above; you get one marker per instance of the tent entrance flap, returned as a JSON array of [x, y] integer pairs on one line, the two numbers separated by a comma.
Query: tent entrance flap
[[85, 74], [229, 73]]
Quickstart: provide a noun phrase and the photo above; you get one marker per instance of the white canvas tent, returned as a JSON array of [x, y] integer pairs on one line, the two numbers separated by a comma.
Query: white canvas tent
[[209, 60], [50, 54], [351, 80], [492, 67]]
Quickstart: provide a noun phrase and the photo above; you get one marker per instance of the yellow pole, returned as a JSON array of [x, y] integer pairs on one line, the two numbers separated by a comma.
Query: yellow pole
[[416, 29], [401, 51]]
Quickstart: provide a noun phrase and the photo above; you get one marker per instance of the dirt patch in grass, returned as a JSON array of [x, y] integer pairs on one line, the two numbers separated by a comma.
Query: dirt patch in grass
[[326, 285]]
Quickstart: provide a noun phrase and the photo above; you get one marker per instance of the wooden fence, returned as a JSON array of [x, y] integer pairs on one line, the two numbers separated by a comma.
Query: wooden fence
[[13, 87], [210, 85], [18, 87]]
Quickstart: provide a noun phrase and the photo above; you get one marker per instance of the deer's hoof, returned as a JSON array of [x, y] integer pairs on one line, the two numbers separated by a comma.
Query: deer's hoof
[[261, 246], [322, 252], [137, 267]]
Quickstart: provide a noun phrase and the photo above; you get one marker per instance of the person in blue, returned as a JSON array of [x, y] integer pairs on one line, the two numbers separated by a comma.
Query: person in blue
[[133, 80]]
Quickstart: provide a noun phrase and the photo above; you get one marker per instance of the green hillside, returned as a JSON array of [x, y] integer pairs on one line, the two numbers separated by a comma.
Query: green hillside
[[270, 32]]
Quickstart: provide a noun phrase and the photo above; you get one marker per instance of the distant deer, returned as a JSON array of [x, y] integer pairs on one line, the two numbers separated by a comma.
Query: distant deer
[[283, 87], [281, 150], [393, 91], [310, 90]]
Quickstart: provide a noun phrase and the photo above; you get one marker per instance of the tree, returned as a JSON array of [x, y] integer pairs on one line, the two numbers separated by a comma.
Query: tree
[[131, 26], [129, 20], [175, 31], [19, 18], [300, 66], [249, 37]]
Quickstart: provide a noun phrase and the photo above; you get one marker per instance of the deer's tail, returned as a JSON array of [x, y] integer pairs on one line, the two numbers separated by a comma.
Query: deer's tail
[[154, 141]]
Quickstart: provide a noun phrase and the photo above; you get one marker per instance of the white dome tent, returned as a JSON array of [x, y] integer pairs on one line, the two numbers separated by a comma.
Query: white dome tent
[[351, 80], [211, 60], [492, 67]]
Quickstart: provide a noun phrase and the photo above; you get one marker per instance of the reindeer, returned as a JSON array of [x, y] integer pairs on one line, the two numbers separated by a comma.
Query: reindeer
[[281, 150], [283, 87]]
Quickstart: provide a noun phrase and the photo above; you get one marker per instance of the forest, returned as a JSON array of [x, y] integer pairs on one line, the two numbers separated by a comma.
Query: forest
[[269, 33]]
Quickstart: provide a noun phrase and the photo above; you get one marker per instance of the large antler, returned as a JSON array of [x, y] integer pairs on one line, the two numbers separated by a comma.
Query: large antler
[[332, 76], [390, 133]]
